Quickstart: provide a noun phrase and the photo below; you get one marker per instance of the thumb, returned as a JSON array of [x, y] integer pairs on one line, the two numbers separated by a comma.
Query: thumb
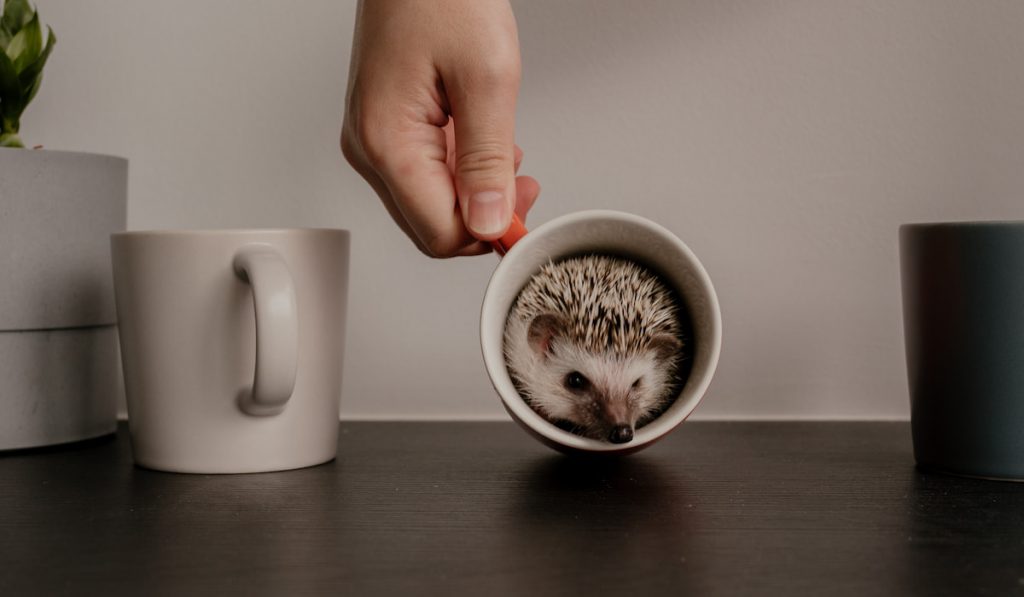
[[484, 119]]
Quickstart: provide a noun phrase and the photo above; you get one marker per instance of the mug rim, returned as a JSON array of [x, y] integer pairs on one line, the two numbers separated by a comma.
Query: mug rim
[[192, 232], [961, 224], [537, 425]]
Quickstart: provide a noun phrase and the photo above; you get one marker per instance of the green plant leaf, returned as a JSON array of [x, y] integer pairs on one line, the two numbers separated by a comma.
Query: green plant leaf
[[31, 90], [10, 140], [31, 73], [17, 14], [12, 99], [10, 86], [10, 112], [16, 47], [26, 45], [5, 36], [22, 58]]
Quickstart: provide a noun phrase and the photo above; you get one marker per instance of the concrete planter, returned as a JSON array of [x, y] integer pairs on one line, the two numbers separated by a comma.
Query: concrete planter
[[59, 369]]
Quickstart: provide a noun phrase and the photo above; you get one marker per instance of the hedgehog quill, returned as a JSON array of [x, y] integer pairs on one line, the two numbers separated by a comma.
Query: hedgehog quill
[[597, 345]]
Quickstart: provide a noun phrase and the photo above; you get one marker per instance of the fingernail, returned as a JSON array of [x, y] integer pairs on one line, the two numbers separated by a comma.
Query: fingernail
[[488, 213]]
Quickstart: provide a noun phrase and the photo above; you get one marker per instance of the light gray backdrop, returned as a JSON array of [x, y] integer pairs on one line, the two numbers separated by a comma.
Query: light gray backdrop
[[783, 141]]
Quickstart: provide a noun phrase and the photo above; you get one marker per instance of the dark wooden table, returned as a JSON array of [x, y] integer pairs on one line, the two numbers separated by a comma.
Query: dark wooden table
[[481, 509]]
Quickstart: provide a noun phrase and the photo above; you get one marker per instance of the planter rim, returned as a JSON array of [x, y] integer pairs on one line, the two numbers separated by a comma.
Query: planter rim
[[31, 151]]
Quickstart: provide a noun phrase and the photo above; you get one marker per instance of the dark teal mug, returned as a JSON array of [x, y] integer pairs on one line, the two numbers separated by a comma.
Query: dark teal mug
[[963, 317]]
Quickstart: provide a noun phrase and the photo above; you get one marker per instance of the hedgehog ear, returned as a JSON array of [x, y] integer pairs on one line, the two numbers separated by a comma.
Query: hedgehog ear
[[665, 346], [543, 329]]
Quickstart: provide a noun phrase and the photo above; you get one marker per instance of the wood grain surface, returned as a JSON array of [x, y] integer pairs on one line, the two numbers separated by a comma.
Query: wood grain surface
[[481, 509]]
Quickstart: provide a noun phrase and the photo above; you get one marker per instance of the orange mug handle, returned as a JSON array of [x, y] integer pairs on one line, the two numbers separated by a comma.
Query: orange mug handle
[[515, 232]]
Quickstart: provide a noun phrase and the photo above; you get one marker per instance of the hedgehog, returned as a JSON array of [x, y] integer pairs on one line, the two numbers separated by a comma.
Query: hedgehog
[[595, 344]]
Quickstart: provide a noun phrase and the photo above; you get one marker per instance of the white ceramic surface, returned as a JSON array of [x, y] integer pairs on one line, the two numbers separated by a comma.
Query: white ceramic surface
[[608, 232], [206, 315], [57, 211], [58, 386], [58, 360]]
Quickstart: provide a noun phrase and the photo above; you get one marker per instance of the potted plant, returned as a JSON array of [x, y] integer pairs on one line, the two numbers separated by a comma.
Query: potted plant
[[59, 371]]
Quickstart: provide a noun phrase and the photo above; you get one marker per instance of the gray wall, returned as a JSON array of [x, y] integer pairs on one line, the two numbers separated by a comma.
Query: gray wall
[[783, 141]]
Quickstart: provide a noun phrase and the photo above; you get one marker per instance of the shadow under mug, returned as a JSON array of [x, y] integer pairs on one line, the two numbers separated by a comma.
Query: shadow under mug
[[232, 344], [610, 233], [963, 317]]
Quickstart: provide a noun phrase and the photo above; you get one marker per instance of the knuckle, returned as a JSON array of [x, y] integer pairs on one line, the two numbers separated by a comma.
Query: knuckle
[[373, 143], [500, 70], [438, 247], [423, 248], [349, 148], [364, 137], [401, 166], [487, 159]]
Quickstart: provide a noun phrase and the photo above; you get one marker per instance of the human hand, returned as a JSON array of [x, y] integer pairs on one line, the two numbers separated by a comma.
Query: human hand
[[430, 119]]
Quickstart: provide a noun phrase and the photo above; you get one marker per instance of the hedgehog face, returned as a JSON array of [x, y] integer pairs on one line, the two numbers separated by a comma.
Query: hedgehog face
[[602, 396], [593, 344]]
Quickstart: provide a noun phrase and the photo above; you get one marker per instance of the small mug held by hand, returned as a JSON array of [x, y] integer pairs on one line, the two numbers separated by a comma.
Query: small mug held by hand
[[232, 345], [609, 233]]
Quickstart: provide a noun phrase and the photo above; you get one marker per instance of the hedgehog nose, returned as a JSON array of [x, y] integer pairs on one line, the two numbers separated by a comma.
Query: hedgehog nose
[[621, 434]]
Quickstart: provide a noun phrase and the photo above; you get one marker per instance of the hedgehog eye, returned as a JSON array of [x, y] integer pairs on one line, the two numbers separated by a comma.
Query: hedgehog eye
[[637, 383], [576, 381]]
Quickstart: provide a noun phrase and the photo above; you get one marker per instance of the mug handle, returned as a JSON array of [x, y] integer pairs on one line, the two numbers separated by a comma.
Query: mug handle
[[515, 232], [277, 329]]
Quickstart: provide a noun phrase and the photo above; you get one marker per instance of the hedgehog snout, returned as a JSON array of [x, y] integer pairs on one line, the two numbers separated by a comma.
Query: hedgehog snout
[[621, 434], [616, 415]]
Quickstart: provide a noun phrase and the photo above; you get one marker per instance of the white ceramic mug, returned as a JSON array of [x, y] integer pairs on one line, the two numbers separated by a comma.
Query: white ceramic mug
[[604, 232], [232, 344]]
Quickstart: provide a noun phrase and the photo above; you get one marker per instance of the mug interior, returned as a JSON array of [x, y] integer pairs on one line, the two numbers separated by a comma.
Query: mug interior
[[607, 233]]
